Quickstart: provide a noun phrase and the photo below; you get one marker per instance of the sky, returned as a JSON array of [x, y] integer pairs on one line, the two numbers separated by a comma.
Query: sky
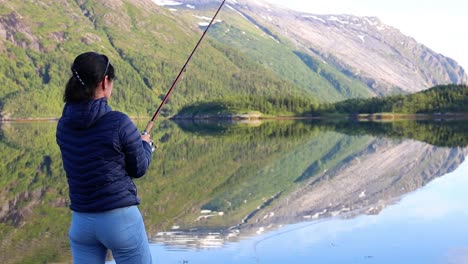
[[440, 25]]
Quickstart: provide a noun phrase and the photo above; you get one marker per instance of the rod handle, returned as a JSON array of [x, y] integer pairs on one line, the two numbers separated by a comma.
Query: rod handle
[[148, 128]]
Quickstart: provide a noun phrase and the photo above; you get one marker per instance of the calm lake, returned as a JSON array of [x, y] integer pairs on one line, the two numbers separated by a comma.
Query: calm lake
[[261, 192]]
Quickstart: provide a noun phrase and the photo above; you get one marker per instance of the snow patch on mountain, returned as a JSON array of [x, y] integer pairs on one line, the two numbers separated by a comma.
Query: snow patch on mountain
[[337, 19], [262, 4], [267, 18], [204, 18], [273, 38], [315, 18], [371, 22], [205, 24], [166, 3], [362, 37]]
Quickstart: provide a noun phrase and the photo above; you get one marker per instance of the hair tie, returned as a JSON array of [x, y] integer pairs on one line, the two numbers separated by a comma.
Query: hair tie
[[78, 77]]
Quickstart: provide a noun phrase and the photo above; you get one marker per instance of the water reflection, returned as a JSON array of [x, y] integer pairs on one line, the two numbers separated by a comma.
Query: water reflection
[[426, 226], [352, 176], [221, 186]]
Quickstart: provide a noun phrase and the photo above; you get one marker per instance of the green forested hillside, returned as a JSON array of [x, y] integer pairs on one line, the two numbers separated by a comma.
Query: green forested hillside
[[440, 99], [146, 44], [443, 99]]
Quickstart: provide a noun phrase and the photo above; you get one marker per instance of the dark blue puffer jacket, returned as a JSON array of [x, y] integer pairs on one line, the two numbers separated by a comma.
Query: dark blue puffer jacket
[[102, 151]]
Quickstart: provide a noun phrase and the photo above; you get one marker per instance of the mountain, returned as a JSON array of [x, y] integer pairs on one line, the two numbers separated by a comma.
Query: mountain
[[361, 48], [253, 50], [146, 43]]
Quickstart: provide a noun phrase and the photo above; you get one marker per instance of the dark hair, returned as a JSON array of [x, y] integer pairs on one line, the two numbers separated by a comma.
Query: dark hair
[[88, 70]]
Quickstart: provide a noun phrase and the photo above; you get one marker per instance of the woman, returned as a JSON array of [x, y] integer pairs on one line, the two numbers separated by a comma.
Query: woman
[[102, 151]]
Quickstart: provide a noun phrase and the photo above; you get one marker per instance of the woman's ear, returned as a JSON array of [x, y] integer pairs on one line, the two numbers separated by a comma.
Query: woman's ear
[[106, 83], [107, 86]]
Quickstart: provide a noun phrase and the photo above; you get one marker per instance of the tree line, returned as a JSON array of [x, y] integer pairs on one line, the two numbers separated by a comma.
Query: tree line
[[439, 99]]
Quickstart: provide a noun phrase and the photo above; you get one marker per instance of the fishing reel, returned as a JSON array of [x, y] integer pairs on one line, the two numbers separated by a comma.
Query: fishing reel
[[153, 146]]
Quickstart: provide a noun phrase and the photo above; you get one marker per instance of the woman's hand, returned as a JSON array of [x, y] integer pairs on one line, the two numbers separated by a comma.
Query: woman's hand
[[146, 137]]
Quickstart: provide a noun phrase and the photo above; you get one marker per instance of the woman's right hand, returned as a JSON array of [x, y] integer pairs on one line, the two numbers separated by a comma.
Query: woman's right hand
[[146, 137]]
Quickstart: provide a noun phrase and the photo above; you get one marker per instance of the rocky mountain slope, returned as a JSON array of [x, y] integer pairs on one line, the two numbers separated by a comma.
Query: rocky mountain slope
[[362, 48]]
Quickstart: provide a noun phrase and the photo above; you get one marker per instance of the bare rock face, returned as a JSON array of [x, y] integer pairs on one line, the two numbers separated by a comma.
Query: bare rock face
[[12, 29], [361, 47], [373, 51], [90, 38], [13, 213]]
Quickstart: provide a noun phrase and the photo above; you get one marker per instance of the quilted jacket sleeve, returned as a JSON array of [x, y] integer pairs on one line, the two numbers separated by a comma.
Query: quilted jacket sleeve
[[137, 152]]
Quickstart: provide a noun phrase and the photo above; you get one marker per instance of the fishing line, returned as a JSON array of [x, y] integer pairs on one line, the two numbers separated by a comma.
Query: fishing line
[[156, 114], [255, 245], [343, 216]]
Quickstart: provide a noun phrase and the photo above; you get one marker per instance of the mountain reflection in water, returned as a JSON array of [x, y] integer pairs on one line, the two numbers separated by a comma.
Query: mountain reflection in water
[[344, 198], [426, 226], [241, 189]]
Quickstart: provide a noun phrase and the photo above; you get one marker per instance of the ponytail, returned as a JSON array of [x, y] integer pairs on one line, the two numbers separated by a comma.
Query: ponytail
[[88, 70]]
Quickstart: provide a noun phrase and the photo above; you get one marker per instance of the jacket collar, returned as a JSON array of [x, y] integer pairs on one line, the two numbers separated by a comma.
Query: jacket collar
[[85, 114]]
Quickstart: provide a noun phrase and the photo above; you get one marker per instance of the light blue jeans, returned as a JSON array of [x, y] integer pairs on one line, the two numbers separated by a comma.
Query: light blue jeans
[[121, 230]]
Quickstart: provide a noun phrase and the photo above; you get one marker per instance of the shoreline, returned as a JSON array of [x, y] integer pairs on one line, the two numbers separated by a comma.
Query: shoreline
[[358, 117], [41, 119], [396, 116]]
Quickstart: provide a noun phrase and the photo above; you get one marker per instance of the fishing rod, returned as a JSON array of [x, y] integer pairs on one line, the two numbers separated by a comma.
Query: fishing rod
[[156, 114]]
